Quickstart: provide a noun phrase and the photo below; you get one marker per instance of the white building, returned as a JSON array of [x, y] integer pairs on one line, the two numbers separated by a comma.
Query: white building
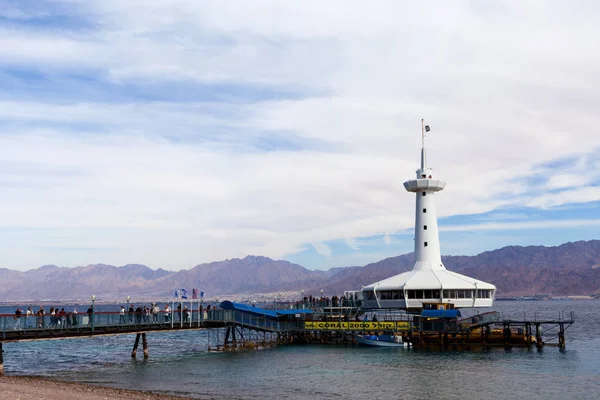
[[429, 281]]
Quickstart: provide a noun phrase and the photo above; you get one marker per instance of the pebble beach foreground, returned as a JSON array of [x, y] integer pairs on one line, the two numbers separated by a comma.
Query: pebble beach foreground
[[33, 388]]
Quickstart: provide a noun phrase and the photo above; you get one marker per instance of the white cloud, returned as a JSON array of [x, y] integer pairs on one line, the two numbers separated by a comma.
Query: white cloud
[[322, 249], [493, 226], [175, 183]]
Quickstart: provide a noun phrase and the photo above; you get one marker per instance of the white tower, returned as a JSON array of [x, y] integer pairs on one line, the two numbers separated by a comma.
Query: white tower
[[427, 239], [429, 281]]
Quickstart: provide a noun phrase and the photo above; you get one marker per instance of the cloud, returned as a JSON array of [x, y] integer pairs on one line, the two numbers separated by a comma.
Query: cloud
[[173, 133], [322, 249], [491, 226]]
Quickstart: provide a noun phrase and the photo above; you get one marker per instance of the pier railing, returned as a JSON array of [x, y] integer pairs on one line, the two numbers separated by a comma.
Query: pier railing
[[11, 323]]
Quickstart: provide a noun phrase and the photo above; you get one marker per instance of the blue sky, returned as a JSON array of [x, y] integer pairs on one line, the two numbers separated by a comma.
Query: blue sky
[[172, 133]]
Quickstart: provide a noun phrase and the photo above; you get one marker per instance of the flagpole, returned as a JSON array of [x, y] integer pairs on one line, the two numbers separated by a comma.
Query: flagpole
[[172, 308], [422, 133]]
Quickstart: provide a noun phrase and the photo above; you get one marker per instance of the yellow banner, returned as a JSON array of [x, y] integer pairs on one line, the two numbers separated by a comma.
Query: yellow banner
[[356, 326]]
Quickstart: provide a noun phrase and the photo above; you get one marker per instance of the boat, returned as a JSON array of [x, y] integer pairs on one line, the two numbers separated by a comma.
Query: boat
[[381, 340]]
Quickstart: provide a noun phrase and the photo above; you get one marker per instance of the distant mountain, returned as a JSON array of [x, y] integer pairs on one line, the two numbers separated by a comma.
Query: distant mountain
[[568, 269], [252, 274]]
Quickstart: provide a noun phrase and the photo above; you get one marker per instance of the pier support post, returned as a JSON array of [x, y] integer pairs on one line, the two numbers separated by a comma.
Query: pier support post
[[538, 336], [145, 345], [135, 346], [561, 336], [1, 361]]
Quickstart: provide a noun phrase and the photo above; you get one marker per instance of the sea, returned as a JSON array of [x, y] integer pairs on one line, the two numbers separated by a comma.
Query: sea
[[179, 364]]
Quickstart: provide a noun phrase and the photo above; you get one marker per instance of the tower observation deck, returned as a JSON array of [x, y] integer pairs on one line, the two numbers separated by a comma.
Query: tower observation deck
[[429, 281]]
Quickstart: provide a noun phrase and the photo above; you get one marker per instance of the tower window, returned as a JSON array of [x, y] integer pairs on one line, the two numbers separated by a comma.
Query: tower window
[[424, 227], [424, 210], [424, 194], [425, 244]]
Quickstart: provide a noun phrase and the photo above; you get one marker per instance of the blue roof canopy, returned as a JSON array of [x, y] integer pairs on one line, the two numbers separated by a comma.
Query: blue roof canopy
[[230, 305], [293, 312], [440, 313]]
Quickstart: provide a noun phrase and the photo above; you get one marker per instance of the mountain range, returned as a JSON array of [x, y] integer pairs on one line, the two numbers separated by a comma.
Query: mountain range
[[568, 269]]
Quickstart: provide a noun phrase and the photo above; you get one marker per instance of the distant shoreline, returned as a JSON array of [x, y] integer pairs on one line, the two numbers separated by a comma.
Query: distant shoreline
[[35, 388], [535, 298]]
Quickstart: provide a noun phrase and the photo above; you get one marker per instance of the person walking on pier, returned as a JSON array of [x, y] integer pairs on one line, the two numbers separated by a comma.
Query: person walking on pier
[[155, 312], [90, 312], [131, 311], [138, 315], [40, 317], [17, 318], [186, 314], [167, 313], [27, 318], [62, 317], [122, 316], [52, 318]]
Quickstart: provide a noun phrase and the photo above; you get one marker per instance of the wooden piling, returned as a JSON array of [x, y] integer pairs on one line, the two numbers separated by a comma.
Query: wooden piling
[[145, 345], [561, 336], [135, 346], [1, 361], [538, 336]]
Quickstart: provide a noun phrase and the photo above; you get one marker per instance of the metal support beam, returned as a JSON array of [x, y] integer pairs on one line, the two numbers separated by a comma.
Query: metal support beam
[[135, 346], [226, 341]]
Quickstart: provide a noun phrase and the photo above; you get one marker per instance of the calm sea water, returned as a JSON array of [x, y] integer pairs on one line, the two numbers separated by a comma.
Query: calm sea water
[[179, 364]]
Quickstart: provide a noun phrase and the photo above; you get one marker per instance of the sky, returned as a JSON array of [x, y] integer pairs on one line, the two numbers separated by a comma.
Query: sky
[[173, 133]]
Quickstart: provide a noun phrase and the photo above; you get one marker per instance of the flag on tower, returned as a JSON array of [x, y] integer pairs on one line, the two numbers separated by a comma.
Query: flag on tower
[[427, 129]]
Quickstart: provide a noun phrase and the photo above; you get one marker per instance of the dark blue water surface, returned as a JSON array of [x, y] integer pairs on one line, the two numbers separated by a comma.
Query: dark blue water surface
[[180, 364]]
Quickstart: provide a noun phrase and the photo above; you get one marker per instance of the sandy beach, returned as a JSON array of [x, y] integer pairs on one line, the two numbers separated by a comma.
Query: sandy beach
[[33, 388]]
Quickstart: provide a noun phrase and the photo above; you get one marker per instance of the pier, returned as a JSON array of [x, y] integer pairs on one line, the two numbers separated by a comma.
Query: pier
[[236, 326]]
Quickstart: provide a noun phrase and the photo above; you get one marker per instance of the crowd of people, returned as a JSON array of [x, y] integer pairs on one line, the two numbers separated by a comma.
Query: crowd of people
[[59, 318], [55, 317], [325, 301]]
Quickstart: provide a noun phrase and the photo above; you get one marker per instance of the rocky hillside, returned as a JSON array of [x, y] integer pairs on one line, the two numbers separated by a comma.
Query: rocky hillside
[[568, 269]]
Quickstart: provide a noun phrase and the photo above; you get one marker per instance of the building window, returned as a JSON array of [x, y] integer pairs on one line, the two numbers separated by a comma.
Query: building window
[[424, 210], [424, 194], [425, 227], [425, 244]]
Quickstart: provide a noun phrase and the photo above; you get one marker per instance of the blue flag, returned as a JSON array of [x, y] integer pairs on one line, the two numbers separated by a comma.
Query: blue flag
[[202, 294], [184, 294], [176, 294]]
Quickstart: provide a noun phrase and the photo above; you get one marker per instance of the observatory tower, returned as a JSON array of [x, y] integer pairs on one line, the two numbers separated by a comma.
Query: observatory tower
[[429, 281]]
